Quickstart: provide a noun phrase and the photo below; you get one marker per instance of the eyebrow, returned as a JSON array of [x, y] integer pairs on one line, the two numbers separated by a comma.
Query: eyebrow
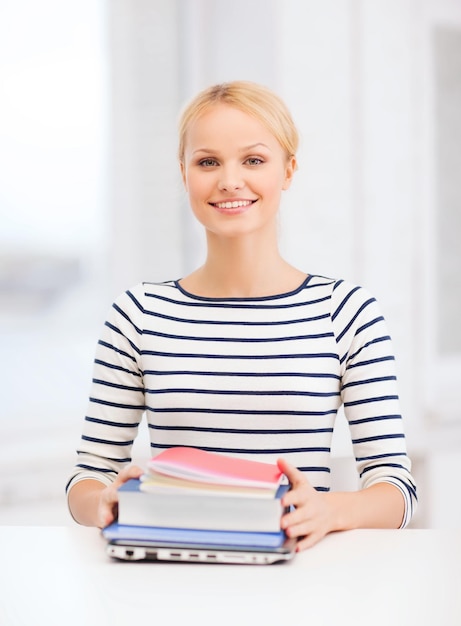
[[245, 149]]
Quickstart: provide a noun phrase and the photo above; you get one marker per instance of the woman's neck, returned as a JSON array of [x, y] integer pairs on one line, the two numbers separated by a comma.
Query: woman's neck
[[241, 269]]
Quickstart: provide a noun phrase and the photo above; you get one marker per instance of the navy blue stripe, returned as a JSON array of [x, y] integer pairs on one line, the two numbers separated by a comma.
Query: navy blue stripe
[[116, 367], [307, 468], [238, 339], [96, 469], [117, 330], [111, 347], [194, 355], [244, 374], [367, 381], [377, 418], [108, 458], [370, 400], [227, 304], [118, 406], [238, 411], [351, 322], [304, 286], [106, 383], [370, 323], [370, 468], [135, 301], [108, 441], [244, 431], [379, 438], [343, 302], [127, 318], [239, 392], [409, 485], [87, 467], [161, 446], [184, 320], [373, 457], [96, 420], [368, 344], [381, 359]]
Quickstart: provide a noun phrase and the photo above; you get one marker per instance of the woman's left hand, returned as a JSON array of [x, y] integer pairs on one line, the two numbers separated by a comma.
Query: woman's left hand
[[312, 517]]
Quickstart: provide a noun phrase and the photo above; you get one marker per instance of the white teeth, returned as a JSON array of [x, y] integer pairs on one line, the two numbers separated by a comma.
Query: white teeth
[[233, 205]]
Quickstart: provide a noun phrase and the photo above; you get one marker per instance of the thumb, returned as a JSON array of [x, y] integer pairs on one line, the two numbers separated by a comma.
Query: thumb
[[291, 472], [133, 471]]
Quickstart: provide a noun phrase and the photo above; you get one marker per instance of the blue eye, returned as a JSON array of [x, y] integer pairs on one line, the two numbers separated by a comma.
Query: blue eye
[[208, 162], [254, 161]]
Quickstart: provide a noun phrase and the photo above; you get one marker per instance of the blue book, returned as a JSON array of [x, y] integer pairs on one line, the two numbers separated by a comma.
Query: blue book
[[117, 532], [200, 511]]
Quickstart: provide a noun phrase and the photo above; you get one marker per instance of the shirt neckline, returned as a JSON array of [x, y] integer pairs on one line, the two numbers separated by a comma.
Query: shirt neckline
[[285, 294]]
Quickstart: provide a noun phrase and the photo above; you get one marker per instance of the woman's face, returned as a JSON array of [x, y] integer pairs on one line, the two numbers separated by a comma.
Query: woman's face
[[234, 171]]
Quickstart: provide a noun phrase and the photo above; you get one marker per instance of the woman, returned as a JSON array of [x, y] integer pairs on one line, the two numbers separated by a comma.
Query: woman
[[248, 355]]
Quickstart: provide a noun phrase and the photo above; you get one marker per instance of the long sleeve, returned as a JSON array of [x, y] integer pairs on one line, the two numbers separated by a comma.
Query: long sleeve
[[116, 402], [369, 392]]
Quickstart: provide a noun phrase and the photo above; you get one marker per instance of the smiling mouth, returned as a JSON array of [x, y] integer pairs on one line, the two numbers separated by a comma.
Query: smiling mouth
[[236, 204]]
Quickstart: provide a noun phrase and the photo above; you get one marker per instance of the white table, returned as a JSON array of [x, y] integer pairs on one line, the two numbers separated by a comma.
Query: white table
[[62, 576]]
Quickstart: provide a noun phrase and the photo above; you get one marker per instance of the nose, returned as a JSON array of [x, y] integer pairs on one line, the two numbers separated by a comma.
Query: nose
[[230, 179]]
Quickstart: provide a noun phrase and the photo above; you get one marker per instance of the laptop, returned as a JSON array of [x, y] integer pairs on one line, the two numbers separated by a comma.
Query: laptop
[[148, 543]]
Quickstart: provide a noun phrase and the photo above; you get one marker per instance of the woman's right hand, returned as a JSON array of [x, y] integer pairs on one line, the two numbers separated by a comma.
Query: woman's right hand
[[107, 511]]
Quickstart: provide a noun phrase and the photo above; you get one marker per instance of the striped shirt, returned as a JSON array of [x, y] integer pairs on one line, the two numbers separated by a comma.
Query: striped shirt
[[258, 378]]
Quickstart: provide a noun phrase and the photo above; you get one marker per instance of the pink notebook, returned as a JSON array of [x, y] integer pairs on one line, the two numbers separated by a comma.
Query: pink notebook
[[209, 467]]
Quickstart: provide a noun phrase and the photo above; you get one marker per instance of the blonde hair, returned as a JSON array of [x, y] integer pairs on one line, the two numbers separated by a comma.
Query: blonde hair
[[251, 98]]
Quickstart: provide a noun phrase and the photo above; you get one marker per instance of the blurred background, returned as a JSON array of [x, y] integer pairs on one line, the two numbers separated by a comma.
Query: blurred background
[[91, 201]]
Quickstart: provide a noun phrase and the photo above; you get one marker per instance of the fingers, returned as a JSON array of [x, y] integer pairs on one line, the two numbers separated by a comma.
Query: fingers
[[108, 505], [297, 522], [300, 487], [308, 541], [307, 518], [133, 471], [307, 530], [292, 473], [107, 514]]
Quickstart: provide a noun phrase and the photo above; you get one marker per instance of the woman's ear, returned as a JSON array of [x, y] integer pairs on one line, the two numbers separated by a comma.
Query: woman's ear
[[183, 173], [290, 170]]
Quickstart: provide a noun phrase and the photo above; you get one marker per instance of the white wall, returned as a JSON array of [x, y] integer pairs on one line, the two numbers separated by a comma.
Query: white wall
[[52, 124], [358, 77], [144, 189]]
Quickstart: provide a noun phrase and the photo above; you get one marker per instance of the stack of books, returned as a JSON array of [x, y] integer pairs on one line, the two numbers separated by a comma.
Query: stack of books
[[189, 488]]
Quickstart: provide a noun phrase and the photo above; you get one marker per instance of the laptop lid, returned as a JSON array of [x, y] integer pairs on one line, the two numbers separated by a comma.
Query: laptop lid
[[134, 543]]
